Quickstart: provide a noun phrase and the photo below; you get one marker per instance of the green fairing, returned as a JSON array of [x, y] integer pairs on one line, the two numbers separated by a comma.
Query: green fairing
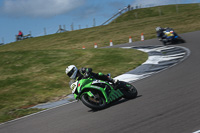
[[87, 84], [97, 94]]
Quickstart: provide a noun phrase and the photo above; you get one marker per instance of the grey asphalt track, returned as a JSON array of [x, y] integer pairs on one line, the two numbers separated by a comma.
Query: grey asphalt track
[[168, 102]]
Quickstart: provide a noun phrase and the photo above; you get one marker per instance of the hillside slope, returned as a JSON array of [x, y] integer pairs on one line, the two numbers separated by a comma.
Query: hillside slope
[[185, 20]]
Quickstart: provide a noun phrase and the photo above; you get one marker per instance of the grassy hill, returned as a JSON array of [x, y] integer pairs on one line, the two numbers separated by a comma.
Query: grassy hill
[[33, 70], [186, 20]]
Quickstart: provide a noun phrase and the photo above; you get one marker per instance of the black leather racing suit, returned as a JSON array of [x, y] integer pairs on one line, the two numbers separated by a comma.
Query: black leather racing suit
[[87, 72]]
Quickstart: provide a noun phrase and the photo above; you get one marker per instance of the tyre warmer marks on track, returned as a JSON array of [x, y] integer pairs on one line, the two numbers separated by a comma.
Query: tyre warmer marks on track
[[160, 58]]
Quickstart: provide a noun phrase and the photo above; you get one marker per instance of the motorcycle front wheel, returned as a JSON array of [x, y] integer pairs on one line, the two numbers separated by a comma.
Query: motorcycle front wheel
[[98, 102]]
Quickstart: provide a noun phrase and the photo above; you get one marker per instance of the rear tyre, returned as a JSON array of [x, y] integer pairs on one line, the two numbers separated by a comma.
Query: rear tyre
[[96, 103], [129, 91], [182, 41]]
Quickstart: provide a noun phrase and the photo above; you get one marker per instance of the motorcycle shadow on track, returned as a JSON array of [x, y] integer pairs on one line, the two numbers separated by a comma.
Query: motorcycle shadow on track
[[175, 43], [114, 104]]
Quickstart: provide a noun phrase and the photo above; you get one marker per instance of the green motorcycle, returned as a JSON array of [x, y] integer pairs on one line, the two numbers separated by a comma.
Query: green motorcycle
[[98, 94]]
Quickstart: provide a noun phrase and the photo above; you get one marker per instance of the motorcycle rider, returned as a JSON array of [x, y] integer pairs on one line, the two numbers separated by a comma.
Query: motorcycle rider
[[163, 33], [77, 74], [160, 32]]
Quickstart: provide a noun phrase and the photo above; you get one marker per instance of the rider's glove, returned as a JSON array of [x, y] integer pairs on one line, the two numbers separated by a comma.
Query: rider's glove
[[86, 75], [114, 81]]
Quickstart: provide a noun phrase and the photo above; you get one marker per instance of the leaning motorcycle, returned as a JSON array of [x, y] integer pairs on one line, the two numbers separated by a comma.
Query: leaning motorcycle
[[98, 94], [171, 37]]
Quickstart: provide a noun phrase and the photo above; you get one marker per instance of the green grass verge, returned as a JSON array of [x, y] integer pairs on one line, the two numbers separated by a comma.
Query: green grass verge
[[37, 76]]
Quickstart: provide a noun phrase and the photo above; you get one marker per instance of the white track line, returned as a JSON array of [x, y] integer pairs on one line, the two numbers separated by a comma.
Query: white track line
[[197, 131]]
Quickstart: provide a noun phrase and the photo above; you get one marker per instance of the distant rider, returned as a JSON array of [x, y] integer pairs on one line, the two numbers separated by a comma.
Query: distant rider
[[163, 33], [160, 32], [75, 74], [20, 35]]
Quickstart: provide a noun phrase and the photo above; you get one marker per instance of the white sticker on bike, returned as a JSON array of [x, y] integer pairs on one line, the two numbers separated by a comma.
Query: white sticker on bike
[[74, 87], [97, 81]]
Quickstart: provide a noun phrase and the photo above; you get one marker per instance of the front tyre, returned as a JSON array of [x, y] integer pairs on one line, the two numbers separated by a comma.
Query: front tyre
[[181, 40], [164, 43], [96, 103]]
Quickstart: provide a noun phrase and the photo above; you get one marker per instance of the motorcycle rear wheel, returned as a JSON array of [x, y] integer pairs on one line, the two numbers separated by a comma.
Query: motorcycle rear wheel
[[97, 103], [129, 91]]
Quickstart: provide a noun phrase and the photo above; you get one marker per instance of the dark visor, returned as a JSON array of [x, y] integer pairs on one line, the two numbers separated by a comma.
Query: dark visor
[[71, 72]]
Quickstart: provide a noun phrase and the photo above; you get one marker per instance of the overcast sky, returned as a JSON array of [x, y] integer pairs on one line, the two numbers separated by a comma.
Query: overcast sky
[[35, 15]]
